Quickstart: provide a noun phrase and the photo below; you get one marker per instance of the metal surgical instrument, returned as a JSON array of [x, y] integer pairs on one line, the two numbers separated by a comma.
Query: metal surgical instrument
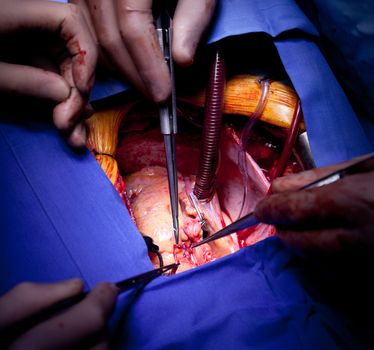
[[168, 114], [250, 219], [139, 280]]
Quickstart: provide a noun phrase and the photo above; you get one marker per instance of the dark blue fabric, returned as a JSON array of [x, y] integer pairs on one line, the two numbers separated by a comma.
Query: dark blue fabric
[[350, 49], [60, 217], [253, 299], [335, 133], [235, 17]]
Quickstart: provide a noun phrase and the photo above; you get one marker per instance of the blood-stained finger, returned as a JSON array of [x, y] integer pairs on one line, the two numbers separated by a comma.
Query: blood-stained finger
[[191, 18], [33, 82], [138, 32], [82, 47], [78, 64], [322, 207], [64, 19], [296, 181], [328, 241], [28, 298], [75, 327]]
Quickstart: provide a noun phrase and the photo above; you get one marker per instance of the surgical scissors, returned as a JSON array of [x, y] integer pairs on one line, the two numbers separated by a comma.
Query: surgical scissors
[[168, 114], [250, 219]]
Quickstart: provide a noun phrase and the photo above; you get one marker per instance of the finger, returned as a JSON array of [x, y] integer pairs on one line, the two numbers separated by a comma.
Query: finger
[[318, 241], [139, 34], [82, 4], [191, 18], [326, 206], [86, 14], [29, 298], [295, 181], [104, 18], [82, 48], [68, 21], [33, 82], [68, 115], [78, 137], [75, 327], [78, 68]]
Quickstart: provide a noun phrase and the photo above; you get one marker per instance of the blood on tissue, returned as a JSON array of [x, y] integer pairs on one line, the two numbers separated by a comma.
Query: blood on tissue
[[120, 186], [186, 251], [208, 256], [213, 212], [188, 254]]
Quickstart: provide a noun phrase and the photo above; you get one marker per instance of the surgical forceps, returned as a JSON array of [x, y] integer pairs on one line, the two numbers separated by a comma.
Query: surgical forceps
[[168, 114], [250, 219]]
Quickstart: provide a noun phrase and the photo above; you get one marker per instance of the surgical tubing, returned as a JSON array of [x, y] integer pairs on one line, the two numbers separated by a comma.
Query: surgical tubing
[[244, 140], [289, 143], [265, 89], [214, 98]]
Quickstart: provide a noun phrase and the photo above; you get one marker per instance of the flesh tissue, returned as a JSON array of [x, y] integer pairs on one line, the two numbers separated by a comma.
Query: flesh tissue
[[130, 136]]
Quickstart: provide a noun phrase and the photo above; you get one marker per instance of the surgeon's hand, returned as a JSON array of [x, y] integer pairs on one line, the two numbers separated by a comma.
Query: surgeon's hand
[[126, 33], [80, 327], [48, 52], [334, 218]]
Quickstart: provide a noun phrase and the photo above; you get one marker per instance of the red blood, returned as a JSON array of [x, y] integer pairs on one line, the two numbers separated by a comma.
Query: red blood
[[187, 253], [79, 54], [81, 57], [141, 147], [120, 186]]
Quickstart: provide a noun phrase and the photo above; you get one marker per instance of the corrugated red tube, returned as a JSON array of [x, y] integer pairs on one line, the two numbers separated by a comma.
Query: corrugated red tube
[[208, 162]]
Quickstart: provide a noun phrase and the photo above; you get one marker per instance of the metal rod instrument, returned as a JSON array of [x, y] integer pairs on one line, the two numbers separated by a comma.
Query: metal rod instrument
[[168, 114], [250, 219], [139, 280]]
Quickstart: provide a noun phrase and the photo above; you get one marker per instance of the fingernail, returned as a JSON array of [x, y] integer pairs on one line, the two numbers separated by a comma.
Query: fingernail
[[184, 55], [159, 93], [78, 137], [109, 286], [71, 286], [82, 135], [75, 283], [115, 288], [158, 83]]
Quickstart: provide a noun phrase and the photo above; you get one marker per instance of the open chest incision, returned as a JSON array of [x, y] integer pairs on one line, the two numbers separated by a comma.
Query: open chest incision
[[260, 121]]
